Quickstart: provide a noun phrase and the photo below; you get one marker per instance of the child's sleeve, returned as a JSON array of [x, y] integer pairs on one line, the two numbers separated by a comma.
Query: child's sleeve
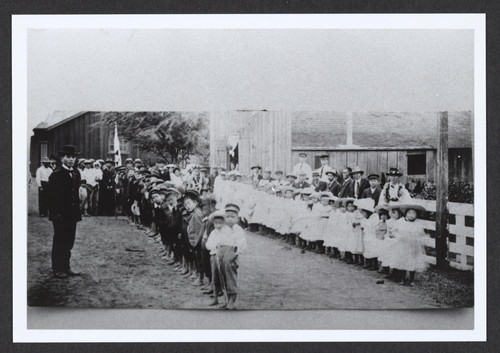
[[211, 243], [241, 241]]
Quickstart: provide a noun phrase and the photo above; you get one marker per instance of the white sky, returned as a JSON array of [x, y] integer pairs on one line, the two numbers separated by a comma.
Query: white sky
[[326, 69]]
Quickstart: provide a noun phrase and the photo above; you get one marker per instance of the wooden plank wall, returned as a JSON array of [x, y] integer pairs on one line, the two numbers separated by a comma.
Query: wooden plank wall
[[265, 138], [370, 161]]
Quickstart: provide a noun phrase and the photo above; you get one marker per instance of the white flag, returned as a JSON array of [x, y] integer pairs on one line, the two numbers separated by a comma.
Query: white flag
[[116, 143]]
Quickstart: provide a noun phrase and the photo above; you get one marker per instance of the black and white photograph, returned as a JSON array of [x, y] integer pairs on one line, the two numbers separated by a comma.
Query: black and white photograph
[[252, 169]]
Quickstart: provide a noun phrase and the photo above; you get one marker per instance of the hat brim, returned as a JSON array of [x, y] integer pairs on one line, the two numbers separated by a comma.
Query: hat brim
[[418, 208], [398, 174], [358, 171]]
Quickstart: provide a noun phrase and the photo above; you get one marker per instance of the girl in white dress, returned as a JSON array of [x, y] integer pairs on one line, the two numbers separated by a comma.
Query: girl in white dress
[[352, 219], [407, 253], [367, 225]]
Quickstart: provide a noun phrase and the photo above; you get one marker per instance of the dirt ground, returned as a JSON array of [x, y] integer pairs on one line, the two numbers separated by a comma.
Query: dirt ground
[[272, 275]]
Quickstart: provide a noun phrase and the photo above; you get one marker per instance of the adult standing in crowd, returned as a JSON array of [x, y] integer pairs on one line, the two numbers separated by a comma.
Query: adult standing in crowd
[[303, 166], [332, 184], [163, 171], [394, 191], [64, 210], [374, 190], [256, 173], [325, 167], [107, 189], [42, 180], [302, 183], [346, 187], [359, 184], [318, 184]]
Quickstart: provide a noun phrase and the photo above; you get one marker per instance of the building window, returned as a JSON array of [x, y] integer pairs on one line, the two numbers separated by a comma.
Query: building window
[[416, 164], [124, 145], [44, 149]]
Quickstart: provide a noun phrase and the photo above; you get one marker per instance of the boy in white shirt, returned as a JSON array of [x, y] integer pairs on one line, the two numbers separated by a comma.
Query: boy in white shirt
[[229, 242]]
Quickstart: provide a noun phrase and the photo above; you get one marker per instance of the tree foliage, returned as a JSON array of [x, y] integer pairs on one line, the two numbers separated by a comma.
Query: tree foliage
[[174, 136]]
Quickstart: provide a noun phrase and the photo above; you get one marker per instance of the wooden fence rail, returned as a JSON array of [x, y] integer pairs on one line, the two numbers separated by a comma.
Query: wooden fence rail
[[461, 234]]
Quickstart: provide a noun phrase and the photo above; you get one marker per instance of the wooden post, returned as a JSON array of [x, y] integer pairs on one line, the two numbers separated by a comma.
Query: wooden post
[[442, 192]]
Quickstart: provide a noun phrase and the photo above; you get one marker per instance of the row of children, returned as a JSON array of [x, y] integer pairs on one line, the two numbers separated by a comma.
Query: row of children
[[202, 244], [388, 238]]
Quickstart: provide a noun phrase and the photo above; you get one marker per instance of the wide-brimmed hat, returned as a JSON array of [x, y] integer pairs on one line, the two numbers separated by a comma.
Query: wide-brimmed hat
[[365, 204], [347, 200], [306, 191], [394, 172], [256, 167], [287, 188], [278, 172], [315, 195], [137, 160], [68, 150], [373, 176], [291, 176], [324, 156], [129, 160], [357, 170], [45, 160], [326, 194], [381, 207], [411, 206], [332, 172], [302, 154]]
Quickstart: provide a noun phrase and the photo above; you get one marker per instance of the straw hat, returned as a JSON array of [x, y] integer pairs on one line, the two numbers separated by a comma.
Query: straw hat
[[365, 204]]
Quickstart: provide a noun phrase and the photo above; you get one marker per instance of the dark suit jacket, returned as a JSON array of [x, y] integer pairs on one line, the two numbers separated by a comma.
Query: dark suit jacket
[[363, 185], [367, 193], [170, 221], [346, 189], [320, 186], [333, 187], [64, 198], [304, 185]]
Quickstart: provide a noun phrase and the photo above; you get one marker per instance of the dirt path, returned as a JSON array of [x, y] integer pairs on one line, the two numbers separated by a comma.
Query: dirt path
[[272, 275]]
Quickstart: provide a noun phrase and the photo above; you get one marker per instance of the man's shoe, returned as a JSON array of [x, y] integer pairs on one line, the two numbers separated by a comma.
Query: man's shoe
[[73, 274], [60, 275]]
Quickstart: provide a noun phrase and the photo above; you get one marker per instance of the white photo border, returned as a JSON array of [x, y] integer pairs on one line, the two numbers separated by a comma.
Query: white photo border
[[22, 23]]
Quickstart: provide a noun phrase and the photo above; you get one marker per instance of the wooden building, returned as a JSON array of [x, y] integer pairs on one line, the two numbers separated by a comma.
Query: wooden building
[[261, 137], [79, 129], [373, 141]]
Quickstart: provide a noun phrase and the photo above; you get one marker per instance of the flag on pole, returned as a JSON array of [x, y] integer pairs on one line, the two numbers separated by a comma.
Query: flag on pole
[[116, 143]]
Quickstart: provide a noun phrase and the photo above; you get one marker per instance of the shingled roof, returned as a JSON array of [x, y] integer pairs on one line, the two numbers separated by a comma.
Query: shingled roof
[[379, 130]]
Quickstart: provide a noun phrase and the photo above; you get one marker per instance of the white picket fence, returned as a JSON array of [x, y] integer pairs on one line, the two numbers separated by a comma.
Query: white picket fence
[[461, 240]]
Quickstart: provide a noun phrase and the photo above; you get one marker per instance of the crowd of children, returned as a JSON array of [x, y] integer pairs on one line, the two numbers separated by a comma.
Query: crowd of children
[[387, 238], [199, 226]]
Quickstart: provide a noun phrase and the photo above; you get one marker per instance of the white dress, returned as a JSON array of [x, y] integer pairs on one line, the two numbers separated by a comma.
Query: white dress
[[407, 250], [370, 241]]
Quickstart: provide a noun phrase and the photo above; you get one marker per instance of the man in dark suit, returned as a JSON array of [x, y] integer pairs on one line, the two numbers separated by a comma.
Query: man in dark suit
[[374, 190], [359, 184], [163, 171], [316, 183], [64, 211], [107, 189], [346, 187], [333, 185], [302, 183]]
